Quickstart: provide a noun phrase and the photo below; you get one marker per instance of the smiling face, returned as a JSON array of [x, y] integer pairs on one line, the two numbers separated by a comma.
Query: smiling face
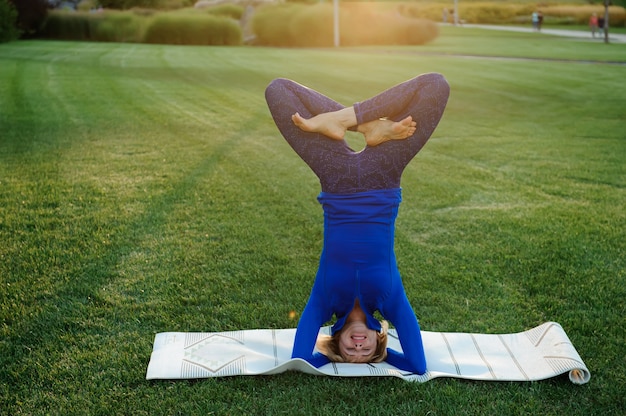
[[357, 343]]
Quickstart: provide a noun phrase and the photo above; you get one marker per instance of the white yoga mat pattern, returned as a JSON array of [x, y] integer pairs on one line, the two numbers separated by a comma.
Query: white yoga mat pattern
[[537, 354]]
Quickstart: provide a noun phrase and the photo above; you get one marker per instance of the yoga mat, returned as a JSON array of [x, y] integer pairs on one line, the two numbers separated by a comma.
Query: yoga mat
[[537, 354]]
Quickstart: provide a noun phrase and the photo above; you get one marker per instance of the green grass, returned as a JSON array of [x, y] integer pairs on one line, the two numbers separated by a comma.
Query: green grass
[[483, 42], [584, 28], [144, 188]]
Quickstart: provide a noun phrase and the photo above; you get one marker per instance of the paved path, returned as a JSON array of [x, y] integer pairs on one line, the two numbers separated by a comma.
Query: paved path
[[613, 37]]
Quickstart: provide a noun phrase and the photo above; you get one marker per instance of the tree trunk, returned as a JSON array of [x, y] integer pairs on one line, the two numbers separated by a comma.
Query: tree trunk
[[606, 21]]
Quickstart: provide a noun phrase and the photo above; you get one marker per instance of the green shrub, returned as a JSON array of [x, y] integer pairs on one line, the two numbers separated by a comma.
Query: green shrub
[[172, 4], [474, 12], [109, 26], [130, 4], [312, 26], [494, 12], [177, 29], [138, 11], [271, 24], [8, 19], [117, 26], [30, 16], [67, 25], [233, 11], [360, 24], [87, 5], [370, 26], [142, 25], [146, 4]]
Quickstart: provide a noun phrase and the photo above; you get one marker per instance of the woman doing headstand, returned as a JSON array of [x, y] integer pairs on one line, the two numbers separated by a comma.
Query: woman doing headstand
[[358, 274]]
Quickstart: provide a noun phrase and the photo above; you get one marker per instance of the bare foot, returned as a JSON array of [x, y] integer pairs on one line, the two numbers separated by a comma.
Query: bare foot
[[382, 130], [333, 124]]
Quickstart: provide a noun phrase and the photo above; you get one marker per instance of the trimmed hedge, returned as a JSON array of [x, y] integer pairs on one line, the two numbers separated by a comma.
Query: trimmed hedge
[[69, 26], [139, 26], [271, 24], [301, 25], [109, 26], [233, 11], [193, 30], [120, 27]]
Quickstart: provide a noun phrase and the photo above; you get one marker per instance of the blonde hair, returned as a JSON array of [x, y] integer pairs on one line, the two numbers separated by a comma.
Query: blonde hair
[[329, 346]]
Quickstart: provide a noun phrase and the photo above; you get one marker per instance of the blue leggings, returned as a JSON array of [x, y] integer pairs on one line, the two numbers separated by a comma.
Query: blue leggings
[[339, 168]]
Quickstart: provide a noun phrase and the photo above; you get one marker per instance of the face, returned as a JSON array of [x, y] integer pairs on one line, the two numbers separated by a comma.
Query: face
[[357, 343]]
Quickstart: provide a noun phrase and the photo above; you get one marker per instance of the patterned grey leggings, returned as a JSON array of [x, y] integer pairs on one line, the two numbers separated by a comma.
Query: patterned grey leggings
[[339, 168]]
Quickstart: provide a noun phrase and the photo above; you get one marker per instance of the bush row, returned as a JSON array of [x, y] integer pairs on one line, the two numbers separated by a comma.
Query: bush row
[[301, 25], [502, 13], [145, 26], [580, 14], [234, 11]]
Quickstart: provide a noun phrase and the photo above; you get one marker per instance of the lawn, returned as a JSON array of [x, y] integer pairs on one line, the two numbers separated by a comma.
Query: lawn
[[144, 189]]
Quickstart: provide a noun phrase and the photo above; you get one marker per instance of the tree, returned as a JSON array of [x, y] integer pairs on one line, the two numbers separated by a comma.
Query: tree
[[605, 29], [30, 15], [8, 21]]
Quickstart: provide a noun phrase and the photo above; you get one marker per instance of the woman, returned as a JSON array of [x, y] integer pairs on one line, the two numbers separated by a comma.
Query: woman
[[358, 274]]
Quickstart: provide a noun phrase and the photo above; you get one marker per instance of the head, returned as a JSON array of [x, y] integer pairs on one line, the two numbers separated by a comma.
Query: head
[[355, 343]]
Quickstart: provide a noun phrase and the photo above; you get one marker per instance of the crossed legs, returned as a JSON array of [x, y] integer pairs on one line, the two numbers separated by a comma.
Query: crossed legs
[[395, 123]]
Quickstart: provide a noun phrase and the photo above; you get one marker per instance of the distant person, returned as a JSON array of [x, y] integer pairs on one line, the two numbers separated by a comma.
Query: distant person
[[601, 25], [539, 20], [535, 21], [593, 24]]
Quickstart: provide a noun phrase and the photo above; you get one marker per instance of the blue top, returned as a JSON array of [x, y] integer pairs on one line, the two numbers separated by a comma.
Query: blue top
[[358, 262]]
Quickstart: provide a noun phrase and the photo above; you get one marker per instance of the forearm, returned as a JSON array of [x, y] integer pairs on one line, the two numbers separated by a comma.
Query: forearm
[[412, 358], [312, 318]]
